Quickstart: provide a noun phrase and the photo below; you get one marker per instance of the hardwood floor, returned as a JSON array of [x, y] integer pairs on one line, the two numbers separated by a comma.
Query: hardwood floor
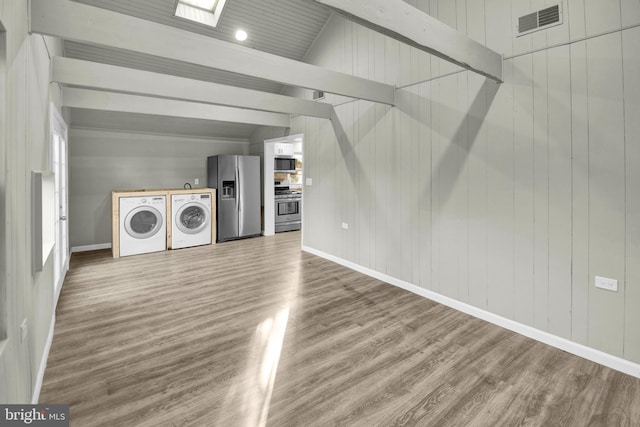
[[255, 331]]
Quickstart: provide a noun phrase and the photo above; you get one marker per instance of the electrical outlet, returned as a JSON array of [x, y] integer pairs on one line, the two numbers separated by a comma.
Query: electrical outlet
[[196, 181], [607, 284], [309, 181], [23, 331], [345, 226]]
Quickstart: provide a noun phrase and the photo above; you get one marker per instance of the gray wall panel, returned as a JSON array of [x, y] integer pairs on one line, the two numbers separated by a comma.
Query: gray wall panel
[[580, 282], [511, 198], [606, 190], [631, 54]]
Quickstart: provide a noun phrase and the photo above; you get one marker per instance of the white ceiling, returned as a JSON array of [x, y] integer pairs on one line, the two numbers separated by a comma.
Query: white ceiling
[[162, 125], [286, 28]]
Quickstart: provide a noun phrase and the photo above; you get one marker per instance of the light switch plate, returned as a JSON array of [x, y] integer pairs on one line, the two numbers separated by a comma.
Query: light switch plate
[[309, 181], [196, 181], [345, 226], [607, 284]]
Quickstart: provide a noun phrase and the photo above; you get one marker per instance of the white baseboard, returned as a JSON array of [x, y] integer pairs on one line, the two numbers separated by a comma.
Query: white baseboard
[[583, 351], [43, 362], [91, 247]]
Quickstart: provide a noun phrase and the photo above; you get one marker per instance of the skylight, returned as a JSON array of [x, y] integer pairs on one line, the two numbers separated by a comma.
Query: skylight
[[205, 12]]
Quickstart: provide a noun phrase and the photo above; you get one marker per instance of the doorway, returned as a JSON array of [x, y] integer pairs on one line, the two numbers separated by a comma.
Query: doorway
[[59, 169]]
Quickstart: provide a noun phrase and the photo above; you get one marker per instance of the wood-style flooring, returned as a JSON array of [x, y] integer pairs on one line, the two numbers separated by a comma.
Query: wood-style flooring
[[256, 332]]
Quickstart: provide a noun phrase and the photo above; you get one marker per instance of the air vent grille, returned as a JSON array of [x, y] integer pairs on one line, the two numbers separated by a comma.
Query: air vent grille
[[549, 16], [528, 22], [539, 20]]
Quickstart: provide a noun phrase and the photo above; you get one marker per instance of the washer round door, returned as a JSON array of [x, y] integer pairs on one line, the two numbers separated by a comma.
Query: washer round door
[[192, 218], [143, 222]]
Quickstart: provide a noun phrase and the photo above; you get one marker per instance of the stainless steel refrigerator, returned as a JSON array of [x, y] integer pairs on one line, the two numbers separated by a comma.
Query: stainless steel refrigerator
[[237, 181]]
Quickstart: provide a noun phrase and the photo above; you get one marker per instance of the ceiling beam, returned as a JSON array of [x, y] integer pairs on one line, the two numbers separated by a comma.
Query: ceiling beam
[[120, 79], [87, 24], [409, 25], [124, 103]]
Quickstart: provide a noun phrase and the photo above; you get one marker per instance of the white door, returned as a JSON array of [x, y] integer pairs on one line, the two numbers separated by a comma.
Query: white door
[[59, 168]]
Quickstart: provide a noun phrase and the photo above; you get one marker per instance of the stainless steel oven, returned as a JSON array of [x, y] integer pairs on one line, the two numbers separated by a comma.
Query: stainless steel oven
[[288, 212]]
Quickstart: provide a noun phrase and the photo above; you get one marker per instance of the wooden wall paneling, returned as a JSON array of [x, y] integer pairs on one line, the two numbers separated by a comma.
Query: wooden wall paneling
[[380, 168], [436, 159], [415, 76], [630, 12], [524, 188], [344, 158], [478, 192], [601, 16], [461, 16], [500, 198], [580, 281], [449, 172], [423, 5], [332, 186], [326, 187], [361, 50], [416, 174], [309, 194], [538, 38], [405, 65], [541, 174], [475, 26], [606, 190], [519, 8], [462, 135], [447, 13], [499, 28], [559, 113], [575, 19], [392, 238], [435, 61], [425, 188], [560, 33], [371, 167], [363, 200], [631, 64], [346, 47], [402, 178], [380, 204], [364, 166]]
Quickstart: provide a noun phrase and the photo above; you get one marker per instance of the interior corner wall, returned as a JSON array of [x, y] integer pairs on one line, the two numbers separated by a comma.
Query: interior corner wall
[[511, 197], [103, 161], [25, 138]]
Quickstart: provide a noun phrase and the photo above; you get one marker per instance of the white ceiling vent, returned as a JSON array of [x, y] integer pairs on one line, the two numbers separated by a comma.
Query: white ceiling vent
[[540, 20]]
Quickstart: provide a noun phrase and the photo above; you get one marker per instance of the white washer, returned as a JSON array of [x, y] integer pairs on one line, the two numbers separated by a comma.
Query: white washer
[[143, 224], [191, 224]]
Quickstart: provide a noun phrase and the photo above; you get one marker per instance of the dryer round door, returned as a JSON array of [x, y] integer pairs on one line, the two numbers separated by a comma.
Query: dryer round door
[[143, 222], [192, 218]]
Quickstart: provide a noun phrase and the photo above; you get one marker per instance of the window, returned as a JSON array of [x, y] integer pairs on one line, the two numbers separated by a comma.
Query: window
[[205, 12]]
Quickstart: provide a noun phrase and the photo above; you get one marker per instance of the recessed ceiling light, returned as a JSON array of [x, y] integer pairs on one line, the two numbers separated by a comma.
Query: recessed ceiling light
[[241, 35]]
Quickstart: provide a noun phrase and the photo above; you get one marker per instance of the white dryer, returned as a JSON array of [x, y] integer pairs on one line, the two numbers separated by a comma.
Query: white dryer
[[191, 220], [143, 224]]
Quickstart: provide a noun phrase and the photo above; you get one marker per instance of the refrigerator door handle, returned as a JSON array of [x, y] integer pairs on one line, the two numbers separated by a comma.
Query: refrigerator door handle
[[238, 190]]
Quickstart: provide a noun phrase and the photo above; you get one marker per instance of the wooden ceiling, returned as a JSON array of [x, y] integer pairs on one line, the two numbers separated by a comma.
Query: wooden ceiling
[[285, 28]]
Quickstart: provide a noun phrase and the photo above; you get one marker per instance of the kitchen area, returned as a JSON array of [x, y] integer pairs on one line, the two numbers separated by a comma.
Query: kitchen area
[[283, 182]]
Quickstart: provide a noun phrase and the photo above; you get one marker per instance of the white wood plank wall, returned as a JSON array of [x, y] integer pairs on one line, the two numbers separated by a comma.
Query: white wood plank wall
[[512, 197]]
